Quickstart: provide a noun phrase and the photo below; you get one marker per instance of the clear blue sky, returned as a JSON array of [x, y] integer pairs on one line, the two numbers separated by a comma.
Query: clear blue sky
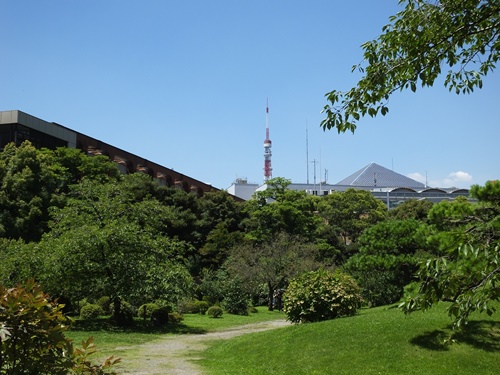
[[185, 83]]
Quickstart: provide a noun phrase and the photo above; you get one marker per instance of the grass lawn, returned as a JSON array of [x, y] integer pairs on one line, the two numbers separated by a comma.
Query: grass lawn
[[377, 341]]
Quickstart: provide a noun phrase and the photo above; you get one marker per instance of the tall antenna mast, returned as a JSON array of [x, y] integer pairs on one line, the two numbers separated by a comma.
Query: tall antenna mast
[[307, 154], [314, 174], [268, 170], [320, 158]]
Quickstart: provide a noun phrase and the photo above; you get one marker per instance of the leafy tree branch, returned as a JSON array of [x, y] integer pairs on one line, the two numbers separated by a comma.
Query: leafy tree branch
[[412, 50]]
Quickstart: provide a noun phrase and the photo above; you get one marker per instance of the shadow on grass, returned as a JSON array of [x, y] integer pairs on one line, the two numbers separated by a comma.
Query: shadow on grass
[[481, 334], [432, 340], [107, 325]]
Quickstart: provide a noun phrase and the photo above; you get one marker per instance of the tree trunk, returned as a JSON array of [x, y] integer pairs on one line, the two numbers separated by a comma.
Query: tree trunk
[[117, 303], [270, 297]]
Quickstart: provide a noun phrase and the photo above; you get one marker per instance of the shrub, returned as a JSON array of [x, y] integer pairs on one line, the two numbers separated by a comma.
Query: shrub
[[202, 307], [321, 295], [91, 311], [236, 300], [82, 303], [175, 318], [145, 311], [193, 307], [125, 316], [253, 310], [105, 303], [160, 316], [188, 307], [214, 312], [32, 337]]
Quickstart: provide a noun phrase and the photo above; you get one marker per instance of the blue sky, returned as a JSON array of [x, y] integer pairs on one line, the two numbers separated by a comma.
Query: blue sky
[[185, 83]]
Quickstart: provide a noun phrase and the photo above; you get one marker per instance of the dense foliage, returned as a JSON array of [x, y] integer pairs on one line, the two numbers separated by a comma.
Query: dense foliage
[[321, 295], [412, 209], [236, 299], [388, 258], [32, 339], [349, 213], [32, 181], [466, 272], [123, 241]]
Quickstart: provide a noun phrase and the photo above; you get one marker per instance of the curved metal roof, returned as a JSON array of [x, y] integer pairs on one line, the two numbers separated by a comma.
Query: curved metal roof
[[433, 190]]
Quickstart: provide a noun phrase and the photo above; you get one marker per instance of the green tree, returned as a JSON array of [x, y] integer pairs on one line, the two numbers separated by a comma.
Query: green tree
[[219, 207], [32, 181], [29, 181], [76, 165], [218, 244], [20, 261], [412, 209], [273, 262], [276, 187], [421, 40], [180, 221], [278, 209], [104, 243], [446, 221], [466, 272], [388, 258], [351, 212], [219, 221]]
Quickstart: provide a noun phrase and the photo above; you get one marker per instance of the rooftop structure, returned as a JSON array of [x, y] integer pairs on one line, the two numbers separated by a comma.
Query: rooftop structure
[[384, 184], [374, 175], [242, 189]]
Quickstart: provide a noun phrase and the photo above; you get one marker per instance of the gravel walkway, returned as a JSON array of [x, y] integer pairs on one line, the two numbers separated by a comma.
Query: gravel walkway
[[176, 355]]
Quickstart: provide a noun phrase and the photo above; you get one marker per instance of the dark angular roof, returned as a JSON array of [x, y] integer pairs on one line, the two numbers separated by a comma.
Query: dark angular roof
[[377, 176]]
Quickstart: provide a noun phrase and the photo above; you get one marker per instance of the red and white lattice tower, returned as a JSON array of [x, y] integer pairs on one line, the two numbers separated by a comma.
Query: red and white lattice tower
[[268, 171]]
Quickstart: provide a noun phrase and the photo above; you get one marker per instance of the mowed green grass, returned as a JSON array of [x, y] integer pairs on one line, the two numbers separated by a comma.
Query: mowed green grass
[[377, 341]]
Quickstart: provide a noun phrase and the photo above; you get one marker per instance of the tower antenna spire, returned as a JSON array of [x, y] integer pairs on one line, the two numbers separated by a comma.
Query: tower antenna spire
[[268, 170], [307, 154]]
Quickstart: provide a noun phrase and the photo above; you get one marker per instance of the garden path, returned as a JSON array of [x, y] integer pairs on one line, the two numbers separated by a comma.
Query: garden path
[[177, 355]]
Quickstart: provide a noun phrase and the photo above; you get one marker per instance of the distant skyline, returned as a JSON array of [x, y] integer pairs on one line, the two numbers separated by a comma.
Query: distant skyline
[[185, 85]]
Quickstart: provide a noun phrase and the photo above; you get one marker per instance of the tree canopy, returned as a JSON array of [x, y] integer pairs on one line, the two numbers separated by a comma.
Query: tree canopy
[[116, 244], [33, 180], [278, 209], [413, 49], [273, 262], [466, 272], [388, 258], [351, 212], [412, 209]]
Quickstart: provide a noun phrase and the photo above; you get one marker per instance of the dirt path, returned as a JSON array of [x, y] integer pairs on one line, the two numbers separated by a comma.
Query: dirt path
[[175, 355]]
